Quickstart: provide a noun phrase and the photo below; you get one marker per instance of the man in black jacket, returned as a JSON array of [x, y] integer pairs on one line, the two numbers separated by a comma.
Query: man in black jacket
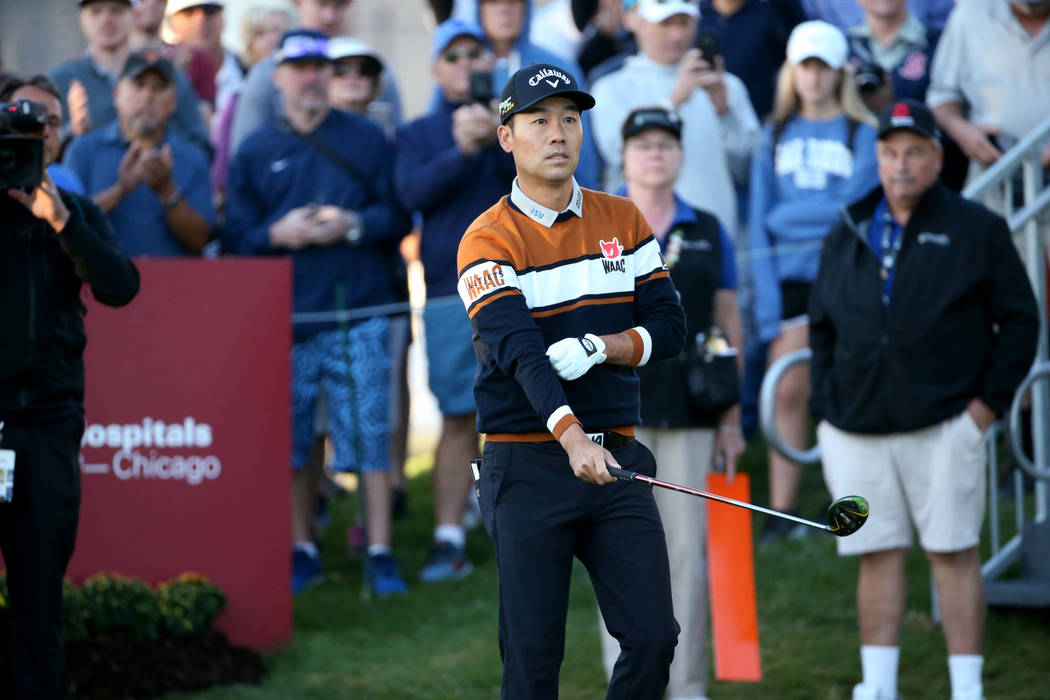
[[922, 325], [51, 242]]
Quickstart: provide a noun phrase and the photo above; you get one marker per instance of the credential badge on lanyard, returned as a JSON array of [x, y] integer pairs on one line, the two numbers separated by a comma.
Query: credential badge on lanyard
[[7, 470]]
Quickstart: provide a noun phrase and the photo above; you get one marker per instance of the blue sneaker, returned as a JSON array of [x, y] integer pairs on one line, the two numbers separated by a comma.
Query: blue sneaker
[[385, 578], [445, 563], [306, 570]]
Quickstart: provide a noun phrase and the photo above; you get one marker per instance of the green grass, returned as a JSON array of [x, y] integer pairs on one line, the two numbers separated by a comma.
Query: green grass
[[440, 641]]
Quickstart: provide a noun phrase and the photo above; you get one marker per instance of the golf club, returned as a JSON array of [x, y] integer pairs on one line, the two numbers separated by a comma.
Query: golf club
[[846, 515]]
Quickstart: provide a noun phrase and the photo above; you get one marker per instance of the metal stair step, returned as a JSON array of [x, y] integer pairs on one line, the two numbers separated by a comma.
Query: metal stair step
[[1018, 593]]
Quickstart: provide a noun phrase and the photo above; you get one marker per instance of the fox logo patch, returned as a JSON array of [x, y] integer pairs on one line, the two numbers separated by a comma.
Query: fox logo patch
[[612, 256], [611, 249]]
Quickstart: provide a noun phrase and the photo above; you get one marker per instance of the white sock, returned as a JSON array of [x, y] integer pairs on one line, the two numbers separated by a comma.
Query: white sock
[[879, 665], [965, 671], [377, 549], [308, 547], [453, 534]]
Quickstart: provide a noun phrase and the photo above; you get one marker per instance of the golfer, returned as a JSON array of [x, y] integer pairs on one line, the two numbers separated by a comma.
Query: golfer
[[567, 293]]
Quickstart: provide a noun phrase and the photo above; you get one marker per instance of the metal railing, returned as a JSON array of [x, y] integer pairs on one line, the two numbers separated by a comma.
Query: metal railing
[[767, 402]]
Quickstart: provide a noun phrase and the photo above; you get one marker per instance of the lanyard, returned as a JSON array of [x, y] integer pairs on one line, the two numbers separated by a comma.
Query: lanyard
[[889, 250]]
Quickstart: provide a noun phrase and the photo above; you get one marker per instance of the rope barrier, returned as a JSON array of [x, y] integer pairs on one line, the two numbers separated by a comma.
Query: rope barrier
[[401, 307]]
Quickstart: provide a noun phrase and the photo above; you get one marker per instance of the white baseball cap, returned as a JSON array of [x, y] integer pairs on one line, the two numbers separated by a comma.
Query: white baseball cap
[[174, 6], [818, 39], [657, 11], [347, 47]]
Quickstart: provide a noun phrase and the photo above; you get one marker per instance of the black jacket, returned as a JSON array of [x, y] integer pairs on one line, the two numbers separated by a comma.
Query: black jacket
[[961, 321], [41, 272], [697, 276]]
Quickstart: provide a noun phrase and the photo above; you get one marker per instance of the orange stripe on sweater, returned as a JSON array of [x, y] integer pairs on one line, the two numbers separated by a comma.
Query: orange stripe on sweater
[[584, 302]]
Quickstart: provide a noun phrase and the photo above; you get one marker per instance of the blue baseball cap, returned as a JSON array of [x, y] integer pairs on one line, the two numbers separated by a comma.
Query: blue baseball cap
[[452, 29], [302, 45]]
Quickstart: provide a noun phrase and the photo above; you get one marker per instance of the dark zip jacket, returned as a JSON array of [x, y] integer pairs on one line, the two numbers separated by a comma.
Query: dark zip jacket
[[41, 272], [961, 321]]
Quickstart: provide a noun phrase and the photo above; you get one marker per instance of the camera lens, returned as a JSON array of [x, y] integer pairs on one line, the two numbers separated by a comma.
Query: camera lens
[[869, 78]]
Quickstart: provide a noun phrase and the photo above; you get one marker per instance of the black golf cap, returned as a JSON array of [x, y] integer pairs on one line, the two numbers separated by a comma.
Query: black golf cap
[[910, 115], [148, 60], [535, 83], [652, 118]]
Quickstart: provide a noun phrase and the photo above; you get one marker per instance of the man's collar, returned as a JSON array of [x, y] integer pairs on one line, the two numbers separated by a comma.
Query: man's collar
[[911, 32], [111, 132], [541, 214]]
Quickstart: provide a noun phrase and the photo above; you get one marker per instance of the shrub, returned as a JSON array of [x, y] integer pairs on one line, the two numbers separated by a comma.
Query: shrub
[[109, 602], [189, 604]]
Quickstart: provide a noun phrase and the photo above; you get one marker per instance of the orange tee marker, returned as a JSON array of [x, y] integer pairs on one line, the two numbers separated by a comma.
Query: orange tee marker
[[731, 571]]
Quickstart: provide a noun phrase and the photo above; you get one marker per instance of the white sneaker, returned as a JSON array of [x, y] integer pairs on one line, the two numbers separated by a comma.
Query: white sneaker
[[867, 691], [973, 693]]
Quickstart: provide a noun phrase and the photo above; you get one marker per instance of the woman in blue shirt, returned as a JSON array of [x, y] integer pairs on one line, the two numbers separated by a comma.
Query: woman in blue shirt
[[817, 156]]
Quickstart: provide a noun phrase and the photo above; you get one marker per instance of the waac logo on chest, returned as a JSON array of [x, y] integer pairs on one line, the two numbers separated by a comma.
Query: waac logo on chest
[[612, 256]]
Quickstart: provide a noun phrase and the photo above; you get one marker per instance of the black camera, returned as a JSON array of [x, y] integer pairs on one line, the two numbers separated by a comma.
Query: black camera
[[21, 144], [869, 77], [481, 87]]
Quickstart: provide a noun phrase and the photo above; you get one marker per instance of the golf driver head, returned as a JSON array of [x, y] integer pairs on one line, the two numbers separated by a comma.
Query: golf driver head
[[847, 514]]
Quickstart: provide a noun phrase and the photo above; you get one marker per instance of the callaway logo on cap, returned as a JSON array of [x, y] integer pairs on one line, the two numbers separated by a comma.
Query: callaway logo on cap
[[535, 83]]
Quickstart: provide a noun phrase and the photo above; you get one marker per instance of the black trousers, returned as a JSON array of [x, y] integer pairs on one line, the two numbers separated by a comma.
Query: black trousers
[[37, 533], [539, 516]]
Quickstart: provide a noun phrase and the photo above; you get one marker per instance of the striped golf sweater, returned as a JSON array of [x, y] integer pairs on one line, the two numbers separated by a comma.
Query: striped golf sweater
[[596, 268]]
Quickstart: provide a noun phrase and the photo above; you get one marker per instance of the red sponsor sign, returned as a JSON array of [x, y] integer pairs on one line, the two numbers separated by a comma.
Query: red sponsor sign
[[185, 457]]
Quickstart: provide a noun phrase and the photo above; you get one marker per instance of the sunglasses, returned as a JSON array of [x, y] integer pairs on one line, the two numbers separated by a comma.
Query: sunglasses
[[366, 69], [471, 54]]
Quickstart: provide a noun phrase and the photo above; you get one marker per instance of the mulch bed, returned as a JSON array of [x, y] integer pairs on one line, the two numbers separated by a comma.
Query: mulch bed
[[117, 666]]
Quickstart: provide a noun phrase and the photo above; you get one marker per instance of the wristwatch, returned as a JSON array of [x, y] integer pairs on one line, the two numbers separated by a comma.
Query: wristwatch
[[173, 200], [353, 234]]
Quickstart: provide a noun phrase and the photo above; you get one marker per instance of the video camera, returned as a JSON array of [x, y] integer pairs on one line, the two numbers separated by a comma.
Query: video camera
[[21, 145], [869, 77]]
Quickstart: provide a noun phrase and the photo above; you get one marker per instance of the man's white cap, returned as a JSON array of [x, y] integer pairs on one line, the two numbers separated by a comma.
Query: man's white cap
[[346, 47], [174, 6], [657, 11], [818, 39]]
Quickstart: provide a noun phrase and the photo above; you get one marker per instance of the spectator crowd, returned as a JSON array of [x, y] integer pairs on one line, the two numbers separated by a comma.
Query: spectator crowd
[[740, 128]]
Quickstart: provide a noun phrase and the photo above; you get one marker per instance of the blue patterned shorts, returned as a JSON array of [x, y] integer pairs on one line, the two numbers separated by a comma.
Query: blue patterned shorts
[[352, 368]]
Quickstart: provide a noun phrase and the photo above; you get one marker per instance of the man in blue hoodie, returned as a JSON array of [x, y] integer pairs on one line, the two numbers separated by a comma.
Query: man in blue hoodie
[[316, 186], [450, 169], [506, 27]]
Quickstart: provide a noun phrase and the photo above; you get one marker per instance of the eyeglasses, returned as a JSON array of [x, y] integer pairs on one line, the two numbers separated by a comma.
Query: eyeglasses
[[471, 54], [367, 69]]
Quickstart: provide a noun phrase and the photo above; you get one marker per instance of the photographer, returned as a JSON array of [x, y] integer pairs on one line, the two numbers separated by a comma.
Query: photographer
[[450, 168], [51, 241], [891, 51]]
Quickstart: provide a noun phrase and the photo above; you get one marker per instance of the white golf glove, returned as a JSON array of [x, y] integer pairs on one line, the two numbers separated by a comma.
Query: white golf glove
[[572, 357]]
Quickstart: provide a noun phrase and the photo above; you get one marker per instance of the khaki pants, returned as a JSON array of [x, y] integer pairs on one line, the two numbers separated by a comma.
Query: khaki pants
[[683, 456], [932, 479]]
